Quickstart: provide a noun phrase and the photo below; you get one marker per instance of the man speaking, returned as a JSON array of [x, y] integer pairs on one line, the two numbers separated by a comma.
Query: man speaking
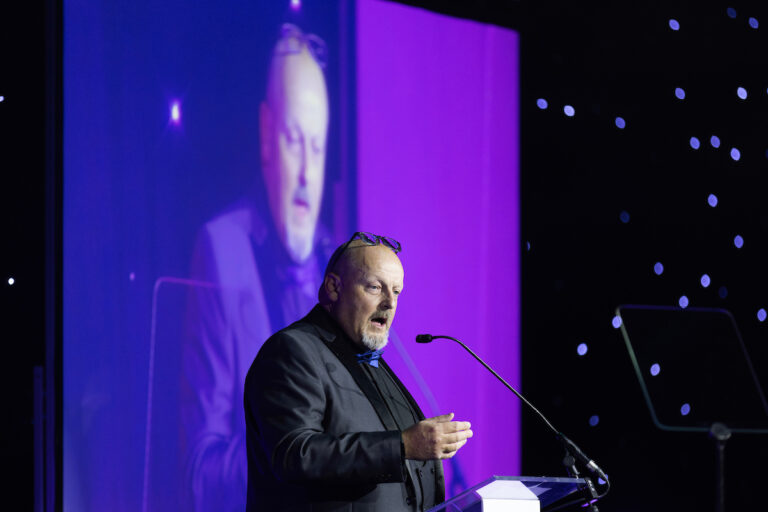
[[328, 424]]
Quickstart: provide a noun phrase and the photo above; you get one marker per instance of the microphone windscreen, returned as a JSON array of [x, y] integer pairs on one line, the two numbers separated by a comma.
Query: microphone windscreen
[[423, 338]]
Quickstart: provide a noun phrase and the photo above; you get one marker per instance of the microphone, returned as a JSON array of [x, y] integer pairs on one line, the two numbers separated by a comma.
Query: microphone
[[569, 445]]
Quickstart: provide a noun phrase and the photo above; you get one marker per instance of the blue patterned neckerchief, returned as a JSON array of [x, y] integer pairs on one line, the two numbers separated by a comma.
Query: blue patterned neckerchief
[[371, 357]]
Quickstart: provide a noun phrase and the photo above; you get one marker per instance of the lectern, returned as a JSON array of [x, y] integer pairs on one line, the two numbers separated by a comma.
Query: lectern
[[513, 494]]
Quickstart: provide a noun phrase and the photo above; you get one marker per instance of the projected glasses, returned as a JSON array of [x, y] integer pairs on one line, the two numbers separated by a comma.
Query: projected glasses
[[368, 239], [292, 40]]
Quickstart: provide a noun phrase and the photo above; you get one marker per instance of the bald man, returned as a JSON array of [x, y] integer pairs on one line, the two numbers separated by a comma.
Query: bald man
[[328, 424], [256, 268]]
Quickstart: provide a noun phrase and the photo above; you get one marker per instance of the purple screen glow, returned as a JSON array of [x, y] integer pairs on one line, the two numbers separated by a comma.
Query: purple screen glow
[[438, 169]]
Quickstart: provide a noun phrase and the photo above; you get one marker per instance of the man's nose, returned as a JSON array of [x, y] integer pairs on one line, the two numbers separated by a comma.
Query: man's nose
[[388, 300], [303, 162]]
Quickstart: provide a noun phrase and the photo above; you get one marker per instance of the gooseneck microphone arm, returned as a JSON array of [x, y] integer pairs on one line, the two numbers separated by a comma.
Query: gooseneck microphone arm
[[569, 445]]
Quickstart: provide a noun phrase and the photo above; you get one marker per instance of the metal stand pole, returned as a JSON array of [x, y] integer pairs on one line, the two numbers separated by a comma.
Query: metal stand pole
[[720, 433]]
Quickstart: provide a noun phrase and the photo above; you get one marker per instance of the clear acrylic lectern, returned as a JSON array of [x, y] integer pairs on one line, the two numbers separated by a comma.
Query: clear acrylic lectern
[[512, 494]]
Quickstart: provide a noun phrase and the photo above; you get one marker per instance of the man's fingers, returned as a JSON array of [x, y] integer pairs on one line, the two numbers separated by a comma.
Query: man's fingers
[[458, 436], [441, 419], [449, 450], [456, 426]]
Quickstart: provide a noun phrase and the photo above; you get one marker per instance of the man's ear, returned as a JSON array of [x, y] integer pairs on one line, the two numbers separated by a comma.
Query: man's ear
[[332, 286], [265, 133]]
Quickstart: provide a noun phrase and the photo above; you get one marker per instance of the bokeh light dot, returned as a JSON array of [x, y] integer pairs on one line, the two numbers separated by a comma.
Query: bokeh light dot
[[705, 280], [741, 93], [715, 141], [673, 24], [569, 110], [11, 281], [712, 200], [683, 301], [658, 268], [542, 103], [616, 322], [731, 12], [175, 112], [620, 123], [761, 315], [722, 292], [594, 420], [680, 93], [2, 99], [582, 349], [132, 276], [695, 144], [738, 241], [655, 369], [735, 154], [685, 409], [624, 216], [753, 22]]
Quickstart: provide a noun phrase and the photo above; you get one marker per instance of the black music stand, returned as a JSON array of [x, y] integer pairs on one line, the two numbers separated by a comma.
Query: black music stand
[[695, 374]]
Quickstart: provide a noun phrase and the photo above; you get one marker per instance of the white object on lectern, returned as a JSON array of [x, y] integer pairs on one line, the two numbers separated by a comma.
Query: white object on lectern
[[508, 496]]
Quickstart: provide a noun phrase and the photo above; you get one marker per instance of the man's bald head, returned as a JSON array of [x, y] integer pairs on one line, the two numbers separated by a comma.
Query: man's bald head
[[293, 121], [361, 292]]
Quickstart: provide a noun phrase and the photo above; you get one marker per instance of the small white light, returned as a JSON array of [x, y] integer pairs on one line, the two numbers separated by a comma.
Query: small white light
[[11, 281], [620, 123], [735, 154], [741, 93], [616, 322], [582, 349], [2, 99], [680, 93], [685, 409], [705, 281], [655, 369], [695, 144], [673, 24], [176, 112], [683, 302], [761, 315], [715, 141], [542, 103], [738, 241], [569, 110], [712, 200], [658, 268]]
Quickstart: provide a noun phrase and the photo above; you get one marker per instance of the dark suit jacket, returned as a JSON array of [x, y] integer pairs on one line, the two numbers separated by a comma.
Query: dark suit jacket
[[319, 437]]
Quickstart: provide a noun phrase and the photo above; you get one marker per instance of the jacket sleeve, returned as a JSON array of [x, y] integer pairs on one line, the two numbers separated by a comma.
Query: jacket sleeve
[[286, 401]]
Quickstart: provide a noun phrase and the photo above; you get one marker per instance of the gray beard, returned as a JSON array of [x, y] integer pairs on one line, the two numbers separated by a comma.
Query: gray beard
[[375, 341]]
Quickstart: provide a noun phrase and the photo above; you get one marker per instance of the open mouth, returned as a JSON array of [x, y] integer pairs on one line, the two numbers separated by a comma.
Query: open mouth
[[379, 321]]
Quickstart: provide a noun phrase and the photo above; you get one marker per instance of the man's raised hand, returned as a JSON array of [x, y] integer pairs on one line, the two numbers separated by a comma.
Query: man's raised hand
[[435, 438]]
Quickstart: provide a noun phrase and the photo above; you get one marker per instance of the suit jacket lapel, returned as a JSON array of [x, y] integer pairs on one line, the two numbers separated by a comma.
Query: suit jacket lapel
[[342, 348]]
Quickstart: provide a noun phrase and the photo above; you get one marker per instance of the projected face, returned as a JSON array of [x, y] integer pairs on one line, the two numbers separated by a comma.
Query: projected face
[[364, 304], [294, 126]]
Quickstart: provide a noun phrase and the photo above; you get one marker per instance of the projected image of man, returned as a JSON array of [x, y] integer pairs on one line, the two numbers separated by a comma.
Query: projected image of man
[[263, 258]]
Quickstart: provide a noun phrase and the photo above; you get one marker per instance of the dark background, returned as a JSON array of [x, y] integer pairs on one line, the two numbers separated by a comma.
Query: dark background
[[578, 175]]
